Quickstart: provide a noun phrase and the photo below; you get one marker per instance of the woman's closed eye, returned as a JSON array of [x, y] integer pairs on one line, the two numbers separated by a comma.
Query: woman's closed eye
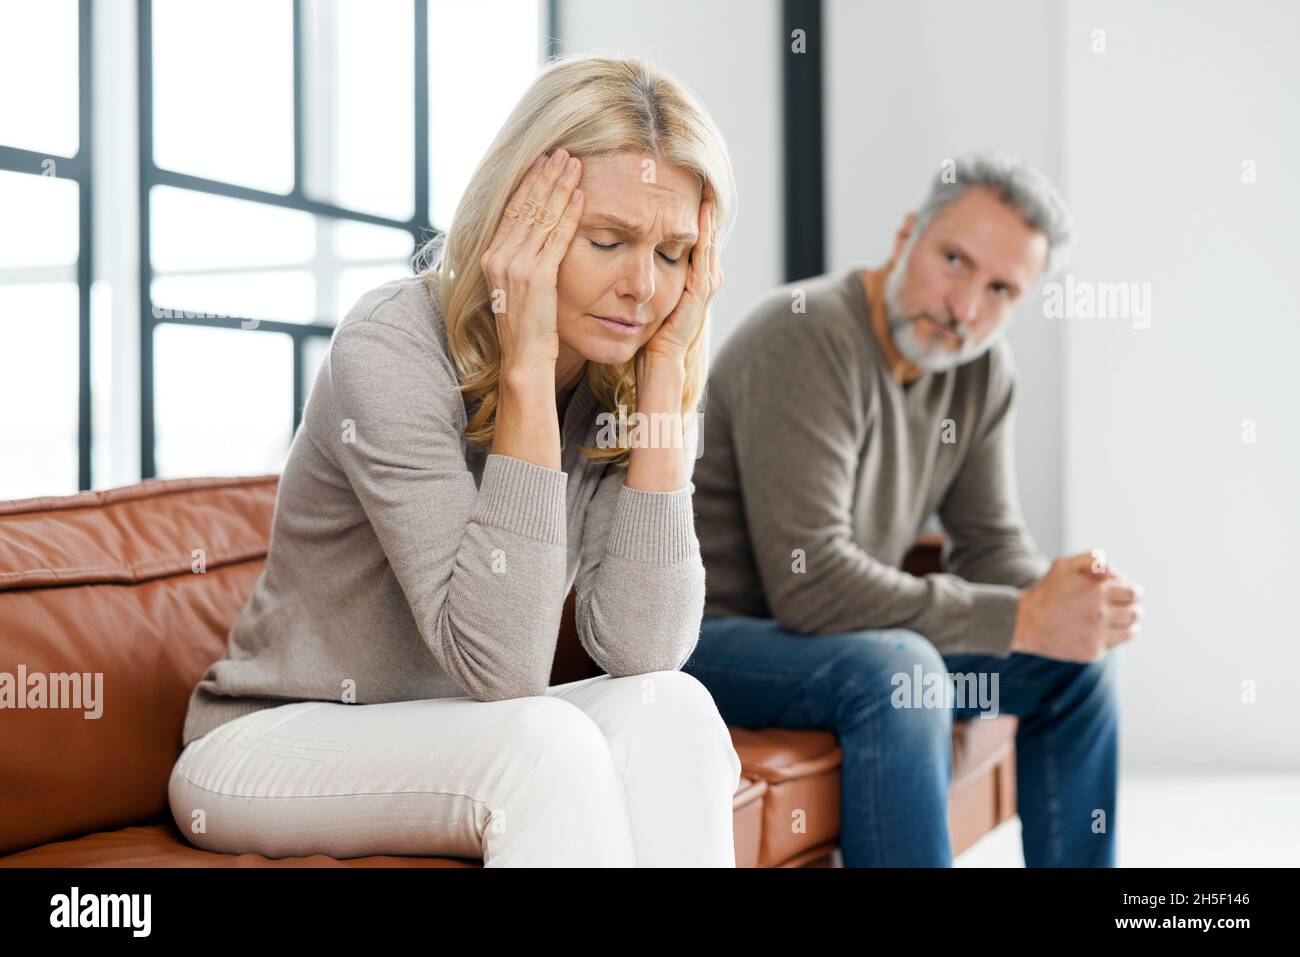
[[609, 246]]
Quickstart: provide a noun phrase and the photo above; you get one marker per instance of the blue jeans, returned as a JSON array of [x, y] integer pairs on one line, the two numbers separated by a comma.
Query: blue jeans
[[898, 759]]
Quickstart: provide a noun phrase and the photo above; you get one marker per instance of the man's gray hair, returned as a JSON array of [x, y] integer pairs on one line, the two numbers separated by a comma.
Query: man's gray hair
[[1019, 185]]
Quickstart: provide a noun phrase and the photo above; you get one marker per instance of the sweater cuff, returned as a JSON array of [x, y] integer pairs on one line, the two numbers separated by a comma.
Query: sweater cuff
[[523, 498], [993, 620], [657, 527]]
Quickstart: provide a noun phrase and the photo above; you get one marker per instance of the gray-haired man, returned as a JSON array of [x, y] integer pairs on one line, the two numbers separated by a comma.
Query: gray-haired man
[[844, 412]]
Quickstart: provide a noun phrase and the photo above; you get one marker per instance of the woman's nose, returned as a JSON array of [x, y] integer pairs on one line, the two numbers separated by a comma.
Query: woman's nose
[[639, 280]]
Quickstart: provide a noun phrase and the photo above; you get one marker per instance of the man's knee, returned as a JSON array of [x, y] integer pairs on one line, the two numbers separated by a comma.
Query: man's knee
[[1100, 679], [876, 656], [1092, 685], [897, 677]]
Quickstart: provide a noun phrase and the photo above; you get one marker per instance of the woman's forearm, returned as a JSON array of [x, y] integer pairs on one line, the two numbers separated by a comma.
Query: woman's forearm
[[527, 425], [659, 466]]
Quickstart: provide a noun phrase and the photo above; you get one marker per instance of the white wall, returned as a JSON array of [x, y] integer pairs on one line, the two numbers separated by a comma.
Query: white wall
[[726, 53], [910, 85], [1156, 131]]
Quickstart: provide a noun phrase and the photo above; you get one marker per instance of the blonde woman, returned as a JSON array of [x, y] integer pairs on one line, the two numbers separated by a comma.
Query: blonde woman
[[385, 690]]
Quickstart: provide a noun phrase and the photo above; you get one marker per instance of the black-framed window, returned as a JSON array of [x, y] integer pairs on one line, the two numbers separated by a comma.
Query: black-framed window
[[278, 185], [46, 247]]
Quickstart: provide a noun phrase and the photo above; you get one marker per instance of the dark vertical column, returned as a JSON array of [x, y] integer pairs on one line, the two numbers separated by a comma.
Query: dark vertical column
[[299, 386], [803, 145], [421, 217], [299, 129], [86, 249], [299, 177], [144, 48], [552, 28]]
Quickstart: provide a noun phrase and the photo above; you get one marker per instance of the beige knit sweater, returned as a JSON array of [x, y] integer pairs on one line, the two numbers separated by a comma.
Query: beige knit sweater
[[405, 563], [819, 470]]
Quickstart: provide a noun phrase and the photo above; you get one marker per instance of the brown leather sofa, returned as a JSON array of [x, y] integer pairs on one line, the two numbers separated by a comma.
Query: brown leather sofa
[[142, 583]]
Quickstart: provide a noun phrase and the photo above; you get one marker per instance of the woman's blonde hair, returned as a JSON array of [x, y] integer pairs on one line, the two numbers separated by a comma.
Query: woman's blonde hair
[[589, 105]]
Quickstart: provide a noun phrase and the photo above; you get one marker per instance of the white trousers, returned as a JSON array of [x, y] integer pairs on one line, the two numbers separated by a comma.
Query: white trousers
[[637, 771]]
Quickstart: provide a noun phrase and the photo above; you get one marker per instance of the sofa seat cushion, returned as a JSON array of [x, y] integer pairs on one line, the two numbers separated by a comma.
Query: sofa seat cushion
[[801, 808], [160, 844], [978, 745], [786, 810]]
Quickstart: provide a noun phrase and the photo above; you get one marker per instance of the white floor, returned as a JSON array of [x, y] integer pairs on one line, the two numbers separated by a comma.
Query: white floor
[[1185, 820]]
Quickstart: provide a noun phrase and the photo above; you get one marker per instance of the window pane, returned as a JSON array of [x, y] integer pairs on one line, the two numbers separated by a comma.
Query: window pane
[[223, 400], [200, 232], [38, 389], [223, 90], [220, 256], [360, 92], [492, 44], [284, 295], [114, 458], [39, 72], [354, 241], [38, 220]]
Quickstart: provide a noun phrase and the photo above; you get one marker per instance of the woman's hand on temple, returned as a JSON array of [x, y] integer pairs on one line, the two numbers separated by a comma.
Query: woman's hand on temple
[[521, 266], [522, 262]]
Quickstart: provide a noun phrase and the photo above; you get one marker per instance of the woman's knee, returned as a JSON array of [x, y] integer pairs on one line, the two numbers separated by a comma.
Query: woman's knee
[[189, 807], [675, 707], [667, 699], [559, 736], [683, 693]]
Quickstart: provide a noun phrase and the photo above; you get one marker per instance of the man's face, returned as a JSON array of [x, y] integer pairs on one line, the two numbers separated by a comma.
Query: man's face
[[954, 286]]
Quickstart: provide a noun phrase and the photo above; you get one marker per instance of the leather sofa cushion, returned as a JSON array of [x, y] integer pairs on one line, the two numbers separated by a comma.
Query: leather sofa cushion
[[105, 583]]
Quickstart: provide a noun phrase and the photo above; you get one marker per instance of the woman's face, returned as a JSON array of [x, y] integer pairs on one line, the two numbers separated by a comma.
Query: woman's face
[[629, 257]]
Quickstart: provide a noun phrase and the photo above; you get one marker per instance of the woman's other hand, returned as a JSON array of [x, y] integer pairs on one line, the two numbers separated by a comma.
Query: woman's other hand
[[702, 282]]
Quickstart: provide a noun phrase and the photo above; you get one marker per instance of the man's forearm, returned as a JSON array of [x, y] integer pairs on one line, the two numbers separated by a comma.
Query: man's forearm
[[840, 588]]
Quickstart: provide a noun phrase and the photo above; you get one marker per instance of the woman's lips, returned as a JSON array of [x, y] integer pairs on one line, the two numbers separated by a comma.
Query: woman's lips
[[623, 328]]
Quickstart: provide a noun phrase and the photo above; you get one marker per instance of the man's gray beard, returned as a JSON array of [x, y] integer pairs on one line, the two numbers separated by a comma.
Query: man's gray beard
[[902, 328]]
